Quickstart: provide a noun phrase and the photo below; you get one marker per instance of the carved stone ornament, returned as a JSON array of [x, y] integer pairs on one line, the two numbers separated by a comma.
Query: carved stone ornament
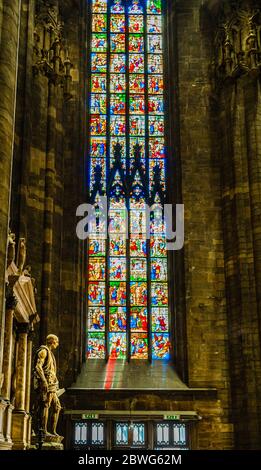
[[10, 248], [238, 41], [51, 55]]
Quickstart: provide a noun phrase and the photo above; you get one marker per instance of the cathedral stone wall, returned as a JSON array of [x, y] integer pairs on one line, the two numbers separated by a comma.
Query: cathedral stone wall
[[208, 364], [216, 121]]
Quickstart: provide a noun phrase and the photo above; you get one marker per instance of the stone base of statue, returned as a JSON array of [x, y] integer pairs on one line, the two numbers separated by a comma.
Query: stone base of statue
[[48, 442]]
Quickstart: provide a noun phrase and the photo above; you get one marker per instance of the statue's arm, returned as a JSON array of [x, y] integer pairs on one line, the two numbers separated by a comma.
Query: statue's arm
[[39, 367]]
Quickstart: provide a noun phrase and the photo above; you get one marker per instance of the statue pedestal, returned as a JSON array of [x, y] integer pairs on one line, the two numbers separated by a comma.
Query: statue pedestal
[[51, 442], [19, 430]]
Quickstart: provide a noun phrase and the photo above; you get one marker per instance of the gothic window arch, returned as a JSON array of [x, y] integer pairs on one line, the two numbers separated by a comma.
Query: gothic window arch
[[127, 294]]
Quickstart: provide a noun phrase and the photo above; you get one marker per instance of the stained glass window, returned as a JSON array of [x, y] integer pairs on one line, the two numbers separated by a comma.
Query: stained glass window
[[128, 301]]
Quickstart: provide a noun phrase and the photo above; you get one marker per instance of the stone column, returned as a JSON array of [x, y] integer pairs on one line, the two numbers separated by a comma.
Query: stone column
[[48, 211], [10, 13], [7, 371], [237, 93], [28, 385], [3, 406], [8, 346], [21, 366], [20, 417], [28, 370]]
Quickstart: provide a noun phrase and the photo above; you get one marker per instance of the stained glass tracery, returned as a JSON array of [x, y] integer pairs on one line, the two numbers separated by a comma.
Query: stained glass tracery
[[128, 302]]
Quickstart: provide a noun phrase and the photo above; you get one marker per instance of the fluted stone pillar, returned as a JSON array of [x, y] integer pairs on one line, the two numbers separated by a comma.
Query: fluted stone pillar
[[8, 347], [20, 417], [7, 369], [21, 367], [28, 385], [238, 110], [28, 371], [48, 211], [10, 16], [3, 406]]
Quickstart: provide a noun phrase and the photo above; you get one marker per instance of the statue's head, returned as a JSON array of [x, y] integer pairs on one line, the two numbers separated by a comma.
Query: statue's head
[[52, 341]]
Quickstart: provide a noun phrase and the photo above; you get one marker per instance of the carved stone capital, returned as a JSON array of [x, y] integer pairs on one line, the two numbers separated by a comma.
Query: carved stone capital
[[10, 299], [22, 328]]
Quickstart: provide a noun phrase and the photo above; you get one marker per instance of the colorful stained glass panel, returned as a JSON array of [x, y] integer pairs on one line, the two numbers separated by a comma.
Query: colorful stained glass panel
[[117, 269], [96, 269], [155, 44], [137, 125], [118, 141], [118, 63], [117, 24], [155, 105], [157, 148], [160, 321], [158, 246], [155, 63], [99, 42], [136, 43], [136, 63], [117, 345], [138, 247], [159, 294], [98, 147], [118, 104], [98, 103], [96, 346], [117, 83], [137, 104], [118, 221], [97, 247], [139, 319], [136, 24], [98, 83], [99, 23], [117, 293], [96, 318], [96, 293], [135, 8], [117, 246], [98, 62], [160, 346], [118, 320], [138, 269], [133, 146], [117, 7], [155, 84], [156, 126], [159, 269], [98, 125], [117, 125], [117, 43], [154, 6], [138, 293], [137, 84], [99, 6], [154, 24], [139, 346]]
